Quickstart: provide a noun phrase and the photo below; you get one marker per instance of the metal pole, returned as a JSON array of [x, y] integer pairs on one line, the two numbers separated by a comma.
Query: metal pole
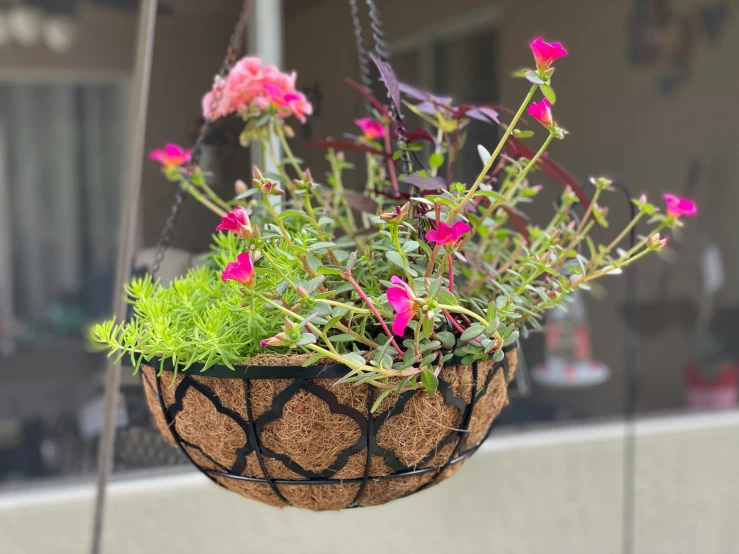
[[265, 38], [127, 237]]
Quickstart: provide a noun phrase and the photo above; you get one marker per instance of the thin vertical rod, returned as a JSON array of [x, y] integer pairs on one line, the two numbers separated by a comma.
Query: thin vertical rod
[[127, 237], [631, 389]]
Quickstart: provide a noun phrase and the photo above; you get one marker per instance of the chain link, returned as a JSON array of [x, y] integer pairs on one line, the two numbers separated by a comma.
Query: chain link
[[365, 73], [232, 55], [383, 54]]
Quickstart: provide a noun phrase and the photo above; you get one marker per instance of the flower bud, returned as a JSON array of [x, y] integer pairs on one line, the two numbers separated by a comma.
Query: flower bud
[[270, 188], [398, 214], [302, 293], [240, 187], [256, 174]]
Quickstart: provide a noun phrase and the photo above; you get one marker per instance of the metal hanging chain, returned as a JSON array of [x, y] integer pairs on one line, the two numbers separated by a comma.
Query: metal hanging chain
[[383, 54], [365, 74], [232, 55]]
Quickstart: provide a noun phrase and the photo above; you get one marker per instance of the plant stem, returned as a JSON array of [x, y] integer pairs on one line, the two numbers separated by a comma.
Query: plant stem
[[391, 164], [278, 220], [288, 151], [202, 199], [453, 213], [371, 306]]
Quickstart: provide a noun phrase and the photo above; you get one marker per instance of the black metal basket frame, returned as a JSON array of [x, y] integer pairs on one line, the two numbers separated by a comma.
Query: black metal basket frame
[[368, 425]]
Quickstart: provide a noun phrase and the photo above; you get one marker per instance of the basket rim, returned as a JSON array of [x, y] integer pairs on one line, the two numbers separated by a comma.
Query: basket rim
[[243, 371]]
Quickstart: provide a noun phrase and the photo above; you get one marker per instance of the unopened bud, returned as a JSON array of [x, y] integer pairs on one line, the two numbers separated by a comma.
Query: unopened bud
[[240, 186], [643, 199], [256, 174], [302, 293], [340, 156], [398, 214], [289, 133], [270, 188]]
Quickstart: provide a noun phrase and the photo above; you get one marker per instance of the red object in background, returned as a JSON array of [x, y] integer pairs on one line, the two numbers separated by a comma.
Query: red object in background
[[717, 393]]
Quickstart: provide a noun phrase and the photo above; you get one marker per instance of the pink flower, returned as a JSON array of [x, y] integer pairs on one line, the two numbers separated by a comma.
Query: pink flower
[[288, 102], [372, 129], [677, 206], [223, 107], [446, 234], [545, 53], [542, 112], [172, 155], [237, 222], [241, 270], [404, 302]]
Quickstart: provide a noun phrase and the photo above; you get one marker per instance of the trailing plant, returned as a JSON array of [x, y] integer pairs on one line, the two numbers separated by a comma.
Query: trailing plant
[[394, 281]]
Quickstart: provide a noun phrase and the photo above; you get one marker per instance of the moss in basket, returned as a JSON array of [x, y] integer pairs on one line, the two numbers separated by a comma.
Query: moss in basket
[[414, 270]]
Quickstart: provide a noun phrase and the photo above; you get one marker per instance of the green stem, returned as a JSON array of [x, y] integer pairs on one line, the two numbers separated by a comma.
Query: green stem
[[481, 177], [288, 151], [202, 199]]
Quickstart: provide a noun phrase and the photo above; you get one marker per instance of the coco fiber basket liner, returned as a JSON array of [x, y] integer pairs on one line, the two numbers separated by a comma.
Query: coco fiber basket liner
[[288, 435]]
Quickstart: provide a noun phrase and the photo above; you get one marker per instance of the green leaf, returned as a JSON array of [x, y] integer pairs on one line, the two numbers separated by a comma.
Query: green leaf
[[436, 160], [521, 73], [548, 93], [323, 270], [533, 77], [512, 338], [446, 338], [428, 360], [433, 345], [484, 154], [410, 246], [394, 258], [501, 302], [446, 297], [354, 357], [314, 263], [433, 287], [321, 246], [498, 356], [379, 400], [472, 332], [523, 134], [429, 381]]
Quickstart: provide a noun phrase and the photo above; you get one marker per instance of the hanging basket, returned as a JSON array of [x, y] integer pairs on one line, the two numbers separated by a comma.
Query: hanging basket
[[288, 435]]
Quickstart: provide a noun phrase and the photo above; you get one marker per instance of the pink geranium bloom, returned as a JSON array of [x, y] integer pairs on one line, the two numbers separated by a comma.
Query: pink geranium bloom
[[677, 206], [288, 102], [542, 112], [545, 53], [223, 107], [447, 234], [370, 128], [404, 302], [172, 155], [241, 271], [237, 222]]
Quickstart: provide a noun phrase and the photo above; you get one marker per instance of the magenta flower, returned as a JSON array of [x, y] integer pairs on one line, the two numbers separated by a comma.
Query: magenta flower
[[545, 53], [404, 302], [542, 112], [172, 155], [237, 222], [370, 128], [288, 102], [447, 234], [241, 270], [677, 206]]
